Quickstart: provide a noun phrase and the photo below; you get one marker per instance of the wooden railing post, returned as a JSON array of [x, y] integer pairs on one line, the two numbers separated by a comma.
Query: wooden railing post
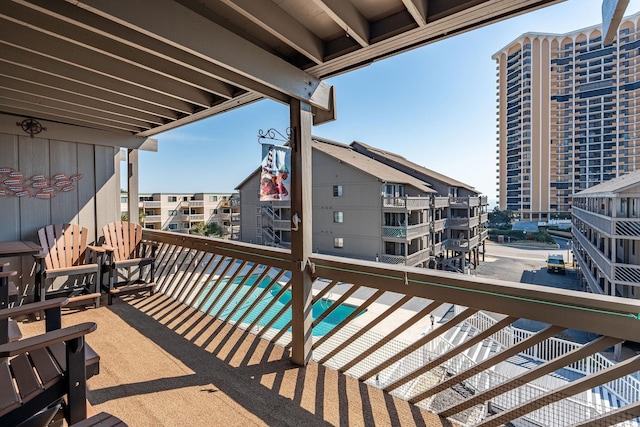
[[301, 244], [132, 186]]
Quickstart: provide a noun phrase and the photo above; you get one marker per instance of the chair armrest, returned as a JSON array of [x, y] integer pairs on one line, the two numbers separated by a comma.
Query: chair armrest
[[4, 274], [107, 248], [46, 340], [32, 308], [97, 249], [70, 271], [39, 256]]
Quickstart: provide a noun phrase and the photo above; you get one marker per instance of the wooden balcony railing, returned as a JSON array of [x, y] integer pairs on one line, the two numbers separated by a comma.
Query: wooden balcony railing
[[392, 327]]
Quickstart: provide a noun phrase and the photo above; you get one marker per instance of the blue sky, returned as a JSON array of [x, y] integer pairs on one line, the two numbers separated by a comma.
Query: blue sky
[[435, 105]]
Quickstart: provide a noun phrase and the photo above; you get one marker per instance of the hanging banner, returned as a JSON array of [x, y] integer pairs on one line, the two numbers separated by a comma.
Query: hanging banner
[[275, 183]]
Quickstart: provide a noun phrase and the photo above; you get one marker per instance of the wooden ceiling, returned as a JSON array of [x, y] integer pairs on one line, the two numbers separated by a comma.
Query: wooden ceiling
[[145, 66]]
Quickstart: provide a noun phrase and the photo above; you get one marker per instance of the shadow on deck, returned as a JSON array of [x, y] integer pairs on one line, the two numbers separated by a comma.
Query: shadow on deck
[[163, 363]]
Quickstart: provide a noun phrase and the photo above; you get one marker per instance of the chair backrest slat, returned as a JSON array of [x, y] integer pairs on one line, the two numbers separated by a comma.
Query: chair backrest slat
[[63, 245], [124, 238]]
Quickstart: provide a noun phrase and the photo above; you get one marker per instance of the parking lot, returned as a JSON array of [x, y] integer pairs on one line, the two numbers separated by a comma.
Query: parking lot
[[529, 265], [526, 265]]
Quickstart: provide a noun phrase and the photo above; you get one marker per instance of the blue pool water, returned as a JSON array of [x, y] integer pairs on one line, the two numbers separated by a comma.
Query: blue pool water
[[328, 323]]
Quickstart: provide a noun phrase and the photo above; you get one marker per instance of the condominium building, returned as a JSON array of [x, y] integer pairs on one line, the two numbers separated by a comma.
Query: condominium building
[[568, 116], [179, 212], [376, 205], [606, 236]]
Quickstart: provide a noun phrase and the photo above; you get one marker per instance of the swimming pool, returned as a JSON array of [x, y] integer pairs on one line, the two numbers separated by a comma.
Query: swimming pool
[[327, 324]]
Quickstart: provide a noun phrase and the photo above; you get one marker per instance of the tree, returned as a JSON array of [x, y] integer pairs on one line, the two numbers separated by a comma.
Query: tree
[[210, 229], [124, 216], [498, 217]]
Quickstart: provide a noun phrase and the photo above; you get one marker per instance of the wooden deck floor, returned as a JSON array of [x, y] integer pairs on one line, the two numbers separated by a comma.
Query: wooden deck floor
[[164, 364]]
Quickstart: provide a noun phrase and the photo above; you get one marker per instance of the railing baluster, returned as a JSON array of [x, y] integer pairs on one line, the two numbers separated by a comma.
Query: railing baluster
[[229, 282], [421, 314], [237, 289], [623, 368], [224, 280]]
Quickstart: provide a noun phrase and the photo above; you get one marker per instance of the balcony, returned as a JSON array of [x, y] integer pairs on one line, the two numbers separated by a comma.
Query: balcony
[[406, 203], [152, 218], [196, 203], [440, 202], [603, 263], [409, 260], [189, 355], [406, 233], [439, 225], [194, 217], [195, 338], [152, 204]]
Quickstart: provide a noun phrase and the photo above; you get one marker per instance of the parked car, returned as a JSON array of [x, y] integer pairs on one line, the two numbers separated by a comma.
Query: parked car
[[555, 264]]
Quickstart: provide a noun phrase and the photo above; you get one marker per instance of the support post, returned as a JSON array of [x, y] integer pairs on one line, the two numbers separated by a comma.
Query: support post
[[132, 186], [301, 244]]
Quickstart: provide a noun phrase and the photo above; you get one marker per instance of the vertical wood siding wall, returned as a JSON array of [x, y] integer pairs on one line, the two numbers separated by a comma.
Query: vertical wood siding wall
[[93, 203]]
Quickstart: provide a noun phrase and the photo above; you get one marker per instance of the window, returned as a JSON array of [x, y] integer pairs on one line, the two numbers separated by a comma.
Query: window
[[337, 191], [185, 212], [173, 226], [338, 242], [173, 212], [185, 225], [123, 199], [149, 226], [213, 211], [213, 198], [172, 199], [338, 217]]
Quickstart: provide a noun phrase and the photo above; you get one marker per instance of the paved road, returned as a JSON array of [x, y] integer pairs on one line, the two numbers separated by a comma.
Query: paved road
[[528, 265]]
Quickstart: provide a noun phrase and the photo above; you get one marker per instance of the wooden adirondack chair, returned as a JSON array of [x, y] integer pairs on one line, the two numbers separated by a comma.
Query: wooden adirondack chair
[[31, 380], [127, 255], [65, 253], [32, 399]]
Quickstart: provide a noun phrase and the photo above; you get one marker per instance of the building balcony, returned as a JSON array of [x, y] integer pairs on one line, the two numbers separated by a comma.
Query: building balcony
[[592, 284], [196, 203], [440, 202], [152, 204], [406, 233], [467, 201], [406, 203], [463, 223], [194, 217], [620, 227], [223, 217], [604, 264], [458, 223], [409, 260], [151, 218], [439, 224]]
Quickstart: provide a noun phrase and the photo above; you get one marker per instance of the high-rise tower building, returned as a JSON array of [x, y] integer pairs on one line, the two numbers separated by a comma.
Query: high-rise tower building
[[568, 116]]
